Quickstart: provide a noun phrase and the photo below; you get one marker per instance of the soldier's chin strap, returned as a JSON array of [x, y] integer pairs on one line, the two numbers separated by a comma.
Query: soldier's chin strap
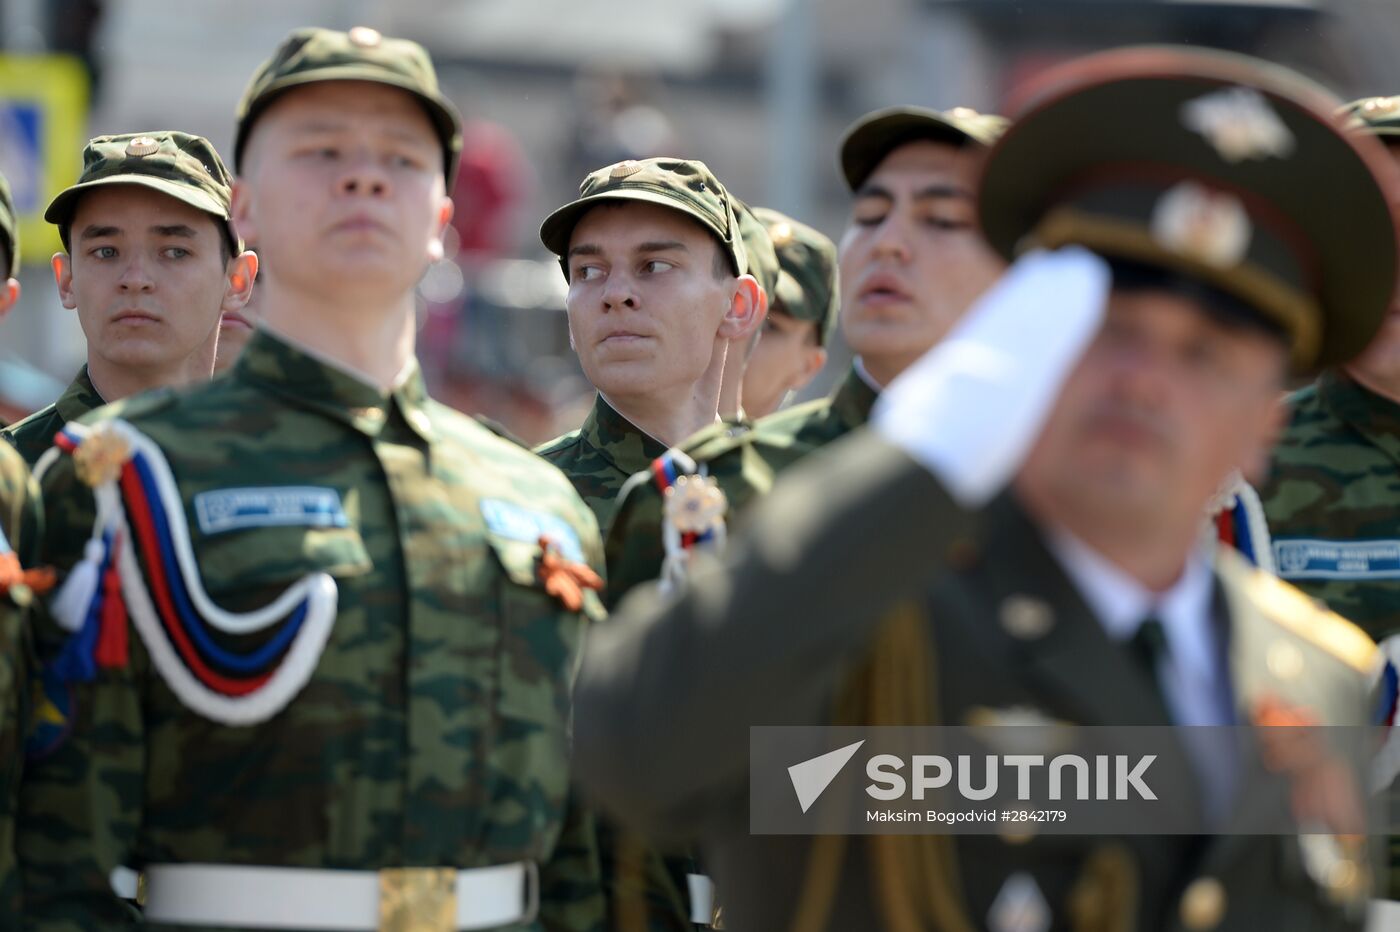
[[139, 506]]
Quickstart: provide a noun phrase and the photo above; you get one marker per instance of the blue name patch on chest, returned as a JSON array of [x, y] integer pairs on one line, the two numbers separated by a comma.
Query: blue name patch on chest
[[519, 523], [1302, 558], [268, 506]]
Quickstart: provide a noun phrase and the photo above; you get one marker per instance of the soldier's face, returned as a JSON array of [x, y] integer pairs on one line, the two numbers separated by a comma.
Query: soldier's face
[[146, 275], [912, 260], [1164, 404], [646, 307], [344, 192], [786, 359]]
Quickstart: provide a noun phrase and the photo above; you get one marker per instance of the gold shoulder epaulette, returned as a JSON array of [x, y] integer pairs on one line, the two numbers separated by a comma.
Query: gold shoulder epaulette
[[1298, 613]]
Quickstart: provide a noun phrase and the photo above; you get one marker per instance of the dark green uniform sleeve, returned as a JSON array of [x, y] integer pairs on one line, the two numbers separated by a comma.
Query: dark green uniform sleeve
[[669, 689], [21, 521], [80, 799]]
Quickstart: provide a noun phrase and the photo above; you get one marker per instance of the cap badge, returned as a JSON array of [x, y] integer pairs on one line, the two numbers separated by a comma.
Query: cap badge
[[1239, 124], [365, 37], [1208, 226], [780, 233], [142, 146], [625, 169]]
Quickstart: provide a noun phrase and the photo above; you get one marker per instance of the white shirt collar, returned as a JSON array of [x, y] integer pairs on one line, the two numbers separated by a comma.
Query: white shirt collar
[[1121, 603]]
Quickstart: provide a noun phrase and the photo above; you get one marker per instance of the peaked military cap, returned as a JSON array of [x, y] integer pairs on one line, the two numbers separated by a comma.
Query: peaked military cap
[[312, 55], [175, 164], [1205, 164], [682, 185], [808, 285], [868, 140]]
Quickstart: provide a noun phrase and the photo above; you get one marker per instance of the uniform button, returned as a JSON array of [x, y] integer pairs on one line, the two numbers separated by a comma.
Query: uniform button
[[1203, 904], [1285, 660], [1026, 617]]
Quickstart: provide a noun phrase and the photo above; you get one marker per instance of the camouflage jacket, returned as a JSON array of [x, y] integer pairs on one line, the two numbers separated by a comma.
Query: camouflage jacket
[[1333, 501], [742, 460], [33, 436], [600, 456], [434, 728], [20, 521]]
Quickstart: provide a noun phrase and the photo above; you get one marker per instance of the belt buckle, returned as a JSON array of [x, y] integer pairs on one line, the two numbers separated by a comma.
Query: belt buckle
[[418, 899]]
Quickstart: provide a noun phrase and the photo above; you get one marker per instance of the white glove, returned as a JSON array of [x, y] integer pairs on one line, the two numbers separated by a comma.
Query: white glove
[[972, 406]]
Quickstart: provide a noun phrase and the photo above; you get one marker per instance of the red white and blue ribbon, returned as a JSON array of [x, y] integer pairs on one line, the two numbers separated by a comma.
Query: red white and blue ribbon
[[1237, 517], [667, 472], [140, 510]]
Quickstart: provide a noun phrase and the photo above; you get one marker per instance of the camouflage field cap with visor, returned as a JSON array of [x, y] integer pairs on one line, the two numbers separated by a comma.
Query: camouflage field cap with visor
[[758, 248], [869, 139], [809, 281], [175, 164], [311, 55], [9, 230], [682, 185], [1205, 165]]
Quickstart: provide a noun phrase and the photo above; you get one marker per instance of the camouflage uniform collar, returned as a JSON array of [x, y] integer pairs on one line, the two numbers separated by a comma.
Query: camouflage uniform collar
[[618, 439], [276, 365], [853, 399], [79, 398], [1374, 416]]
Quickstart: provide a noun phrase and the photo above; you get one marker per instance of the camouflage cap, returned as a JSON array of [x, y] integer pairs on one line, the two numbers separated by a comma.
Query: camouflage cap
[[175, 164], [1378, 116], [808, 286], [312, 55], [683, 185], [868, 140], [763, 260], [1203, 165], [9, 229]]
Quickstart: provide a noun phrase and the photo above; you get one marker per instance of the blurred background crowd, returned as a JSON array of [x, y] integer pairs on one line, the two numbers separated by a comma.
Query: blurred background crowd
[[551, 89]]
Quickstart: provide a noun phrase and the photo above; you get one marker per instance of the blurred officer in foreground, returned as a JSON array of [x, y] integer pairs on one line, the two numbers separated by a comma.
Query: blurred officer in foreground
[[1016, 538], [150, 262], [314, 651]]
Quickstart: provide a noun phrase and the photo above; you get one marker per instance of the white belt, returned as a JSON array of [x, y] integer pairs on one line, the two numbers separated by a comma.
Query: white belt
[[702, 899], [308, 898]]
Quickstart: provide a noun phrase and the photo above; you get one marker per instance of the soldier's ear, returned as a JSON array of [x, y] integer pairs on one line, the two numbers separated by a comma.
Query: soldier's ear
[[241, 209], [748, 306], [242, 272], [63, 278], [9, 294]]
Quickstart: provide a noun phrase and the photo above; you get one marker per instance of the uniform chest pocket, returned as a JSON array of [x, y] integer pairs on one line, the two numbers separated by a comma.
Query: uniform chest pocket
[[246, 568], [540, 638]]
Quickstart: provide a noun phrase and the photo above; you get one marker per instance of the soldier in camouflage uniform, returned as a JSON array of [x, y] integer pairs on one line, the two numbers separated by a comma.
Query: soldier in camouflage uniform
[[910, 263], [659, 295], [20, 522], [151, 261], [1333, 488], [801, 316], [386, 745], [1334, 485]]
